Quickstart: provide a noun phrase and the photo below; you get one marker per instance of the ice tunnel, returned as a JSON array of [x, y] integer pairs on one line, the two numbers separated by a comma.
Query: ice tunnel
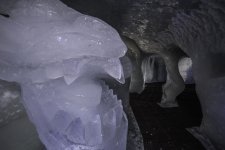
[[112, 75]]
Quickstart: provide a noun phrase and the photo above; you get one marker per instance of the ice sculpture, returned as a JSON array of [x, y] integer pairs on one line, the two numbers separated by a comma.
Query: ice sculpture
[[60, 56]]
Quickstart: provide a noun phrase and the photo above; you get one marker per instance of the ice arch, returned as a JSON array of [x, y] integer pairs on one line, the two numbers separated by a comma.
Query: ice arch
[[171, 56], [60, 56]]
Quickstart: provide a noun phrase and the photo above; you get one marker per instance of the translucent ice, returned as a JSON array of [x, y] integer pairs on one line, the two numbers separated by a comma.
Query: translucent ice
[[60, 56]]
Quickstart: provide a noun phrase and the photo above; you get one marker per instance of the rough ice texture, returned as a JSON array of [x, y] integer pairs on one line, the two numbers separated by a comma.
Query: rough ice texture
[[59, 56], [144, 28], [201, 34], [11, 107], [134, 55]]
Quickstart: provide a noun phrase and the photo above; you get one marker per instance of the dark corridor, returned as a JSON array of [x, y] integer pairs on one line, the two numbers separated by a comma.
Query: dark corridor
[[165, 128]]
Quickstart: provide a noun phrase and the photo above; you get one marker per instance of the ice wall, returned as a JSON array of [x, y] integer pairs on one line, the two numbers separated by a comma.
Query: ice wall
[[203, 35], [60, 56], [200, 34]]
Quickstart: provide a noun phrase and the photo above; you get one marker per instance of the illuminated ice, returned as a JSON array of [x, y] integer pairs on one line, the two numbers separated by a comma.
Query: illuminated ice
[[154, 69], [60, 58], [185, 69]]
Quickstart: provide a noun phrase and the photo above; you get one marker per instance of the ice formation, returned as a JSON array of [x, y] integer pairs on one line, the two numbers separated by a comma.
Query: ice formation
[[200, 34], [154, 69], [144, 28], [60, 56], [135, 57]]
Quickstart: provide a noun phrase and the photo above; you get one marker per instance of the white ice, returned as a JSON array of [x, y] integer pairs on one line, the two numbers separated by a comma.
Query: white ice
[[60, 56]]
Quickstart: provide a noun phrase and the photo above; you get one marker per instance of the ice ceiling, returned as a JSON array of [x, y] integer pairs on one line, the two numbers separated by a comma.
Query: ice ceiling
[[195, 27]]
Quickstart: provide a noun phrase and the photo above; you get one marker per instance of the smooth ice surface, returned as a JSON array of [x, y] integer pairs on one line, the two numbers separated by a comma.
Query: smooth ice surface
[[59, 57], [67, 34], [52, 38]]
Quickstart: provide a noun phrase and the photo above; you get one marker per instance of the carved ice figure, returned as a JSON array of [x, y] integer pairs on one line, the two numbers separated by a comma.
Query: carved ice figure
[[60, 56]]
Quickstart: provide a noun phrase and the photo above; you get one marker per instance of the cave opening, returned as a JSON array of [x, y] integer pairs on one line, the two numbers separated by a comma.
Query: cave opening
[[166, 128]]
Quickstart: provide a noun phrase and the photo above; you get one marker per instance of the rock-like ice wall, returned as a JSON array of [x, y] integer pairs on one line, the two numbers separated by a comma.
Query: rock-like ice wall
[[60, 56], [200, 34]]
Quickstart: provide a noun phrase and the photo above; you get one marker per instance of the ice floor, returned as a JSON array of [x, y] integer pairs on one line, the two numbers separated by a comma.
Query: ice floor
[[164, 129]]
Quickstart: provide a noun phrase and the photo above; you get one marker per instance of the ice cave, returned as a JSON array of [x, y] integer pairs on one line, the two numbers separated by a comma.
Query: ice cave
[[112, 75]]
